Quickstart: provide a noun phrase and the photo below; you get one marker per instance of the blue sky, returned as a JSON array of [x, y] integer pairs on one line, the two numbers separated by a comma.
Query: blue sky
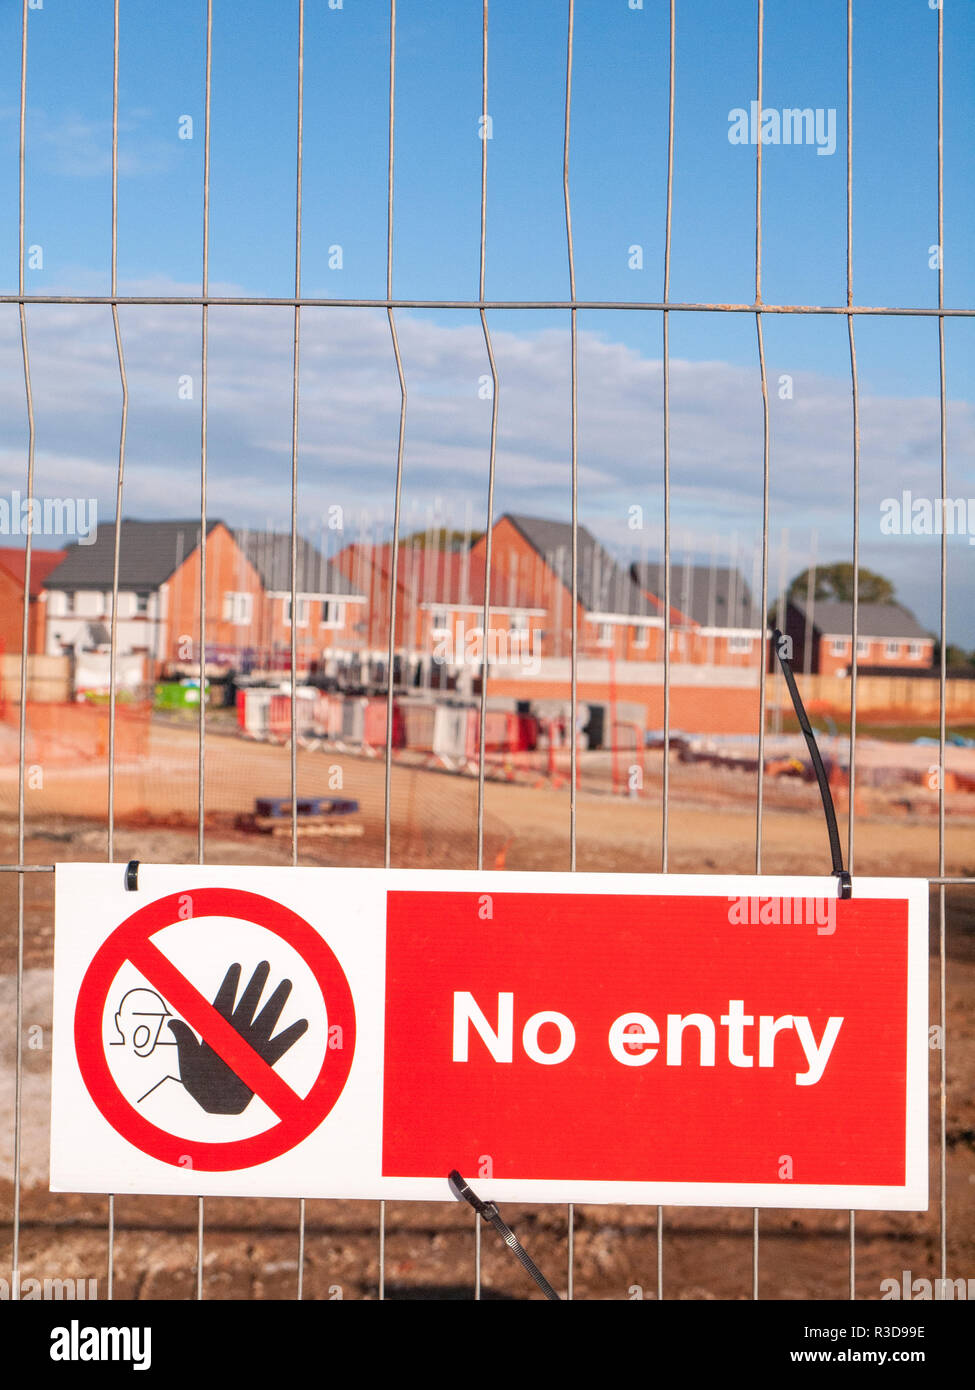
[[618, 182]]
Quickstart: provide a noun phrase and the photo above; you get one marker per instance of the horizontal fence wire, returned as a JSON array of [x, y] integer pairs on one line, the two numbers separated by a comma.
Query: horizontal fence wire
[[934, 879], [482, 304], [288, 301]]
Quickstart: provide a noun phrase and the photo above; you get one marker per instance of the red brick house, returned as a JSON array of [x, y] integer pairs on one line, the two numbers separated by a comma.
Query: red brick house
[[248, 599], [439, 609], [889, 637]]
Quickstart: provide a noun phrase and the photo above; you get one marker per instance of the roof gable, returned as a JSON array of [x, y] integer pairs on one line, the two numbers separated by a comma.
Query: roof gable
[[602, 585]]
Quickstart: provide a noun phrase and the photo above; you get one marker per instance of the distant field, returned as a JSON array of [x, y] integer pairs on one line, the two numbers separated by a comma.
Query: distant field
[[870, 725]]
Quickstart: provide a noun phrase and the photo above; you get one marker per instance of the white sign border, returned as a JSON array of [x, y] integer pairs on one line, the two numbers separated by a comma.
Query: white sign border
[[367, 888]]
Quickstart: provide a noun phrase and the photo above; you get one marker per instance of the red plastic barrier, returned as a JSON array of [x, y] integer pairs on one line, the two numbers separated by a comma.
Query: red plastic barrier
[[279, 715], [527, 733], [374, 732]]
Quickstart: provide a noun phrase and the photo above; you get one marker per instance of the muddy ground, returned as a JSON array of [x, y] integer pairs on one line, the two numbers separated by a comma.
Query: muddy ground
[[251, 1249]]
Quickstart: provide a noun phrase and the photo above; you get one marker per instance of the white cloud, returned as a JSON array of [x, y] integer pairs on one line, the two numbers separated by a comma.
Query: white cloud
[[349, 414], [79, 147]]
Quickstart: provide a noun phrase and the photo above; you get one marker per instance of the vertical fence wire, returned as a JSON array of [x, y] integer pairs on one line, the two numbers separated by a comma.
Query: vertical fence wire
[[489, 349], [123, 426], [665, 785], [477, 1257], [574, 443], [204, 364], [296, 361], [394, 553], [22, 733], [855, 401], [942, 925], [574, 392], [489, 525], [763, 645]]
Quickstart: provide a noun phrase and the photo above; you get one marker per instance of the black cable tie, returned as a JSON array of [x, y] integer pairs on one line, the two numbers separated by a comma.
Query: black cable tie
[[836, 852], [463, 1191], [132, 876]]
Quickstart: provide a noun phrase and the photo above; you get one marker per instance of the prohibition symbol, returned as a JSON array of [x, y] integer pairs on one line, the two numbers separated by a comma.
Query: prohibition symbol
[[297, 1116]]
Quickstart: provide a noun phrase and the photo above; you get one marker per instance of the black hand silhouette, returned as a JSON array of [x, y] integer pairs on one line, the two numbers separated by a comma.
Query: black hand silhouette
[[204, 1074]]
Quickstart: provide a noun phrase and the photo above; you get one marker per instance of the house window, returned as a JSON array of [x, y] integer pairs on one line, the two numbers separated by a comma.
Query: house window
[[518, 622], [605, 638], [67, 602], [239, 609], [739, 645], [914, 651], [89, 603], [893, 649], [838, 646], [641, 637], [438, 622], [302, 611], [142, 603], [863, 646], [333, 614]]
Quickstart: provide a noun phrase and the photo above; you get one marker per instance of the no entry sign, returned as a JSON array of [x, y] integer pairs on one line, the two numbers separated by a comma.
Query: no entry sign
[[227, 1049], [355, 1033]]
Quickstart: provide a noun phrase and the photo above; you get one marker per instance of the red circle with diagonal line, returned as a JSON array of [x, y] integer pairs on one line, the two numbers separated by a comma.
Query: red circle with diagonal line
[[297, 1116]]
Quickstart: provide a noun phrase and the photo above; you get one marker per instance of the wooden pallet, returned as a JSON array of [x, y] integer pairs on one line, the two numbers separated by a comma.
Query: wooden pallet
[[307, 825]]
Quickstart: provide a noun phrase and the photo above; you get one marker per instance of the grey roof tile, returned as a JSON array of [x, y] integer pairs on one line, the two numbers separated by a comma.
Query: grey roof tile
[[712, 596], [270, 554], [149, 552], [831, 616]]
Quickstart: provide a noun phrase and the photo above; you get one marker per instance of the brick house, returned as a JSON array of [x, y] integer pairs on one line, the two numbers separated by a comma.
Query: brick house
[[248, 597], [889, 637], [439, 604], [439, 609], [159, 591]]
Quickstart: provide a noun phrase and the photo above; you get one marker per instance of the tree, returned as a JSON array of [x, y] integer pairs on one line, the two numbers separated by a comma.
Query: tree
[[442, 539], [956, 658], [836, 582]]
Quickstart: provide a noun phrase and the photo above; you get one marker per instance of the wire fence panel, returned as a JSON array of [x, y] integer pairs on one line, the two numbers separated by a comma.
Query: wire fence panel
[[398, 599]]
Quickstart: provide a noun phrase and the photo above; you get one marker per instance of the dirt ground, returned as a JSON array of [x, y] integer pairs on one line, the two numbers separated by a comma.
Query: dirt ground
[[251, 1249]]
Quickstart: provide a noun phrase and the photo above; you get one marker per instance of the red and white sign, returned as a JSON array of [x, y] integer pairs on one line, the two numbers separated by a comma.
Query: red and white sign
[[144, 942], [566, 1037]]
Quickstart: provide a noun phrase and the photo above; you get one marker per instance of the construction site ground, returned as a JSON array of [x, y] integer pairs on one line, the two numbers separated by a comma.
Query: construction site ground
[[251, 1247]]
